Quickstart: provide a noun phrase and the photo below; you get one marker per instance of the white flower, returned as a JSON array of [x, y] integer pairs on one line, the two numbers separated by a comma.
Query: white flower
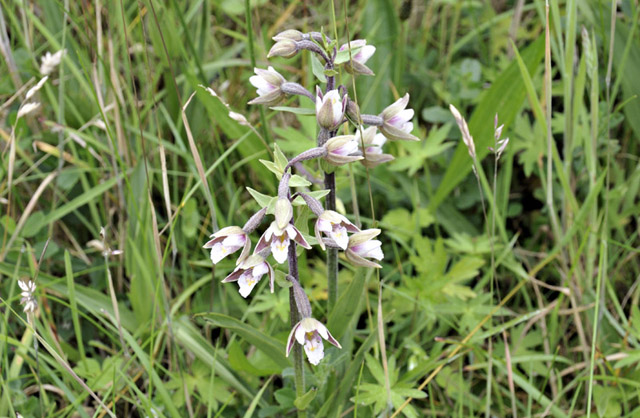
[[329, 108], [360, 57], [279, 240], [227, 241], [27, 108], [373, 142], [362, 246], [267, 82], [335, 226], [28, 300], [342, 150], [309, 333], [51, 61], [396, 119], [249, 273]]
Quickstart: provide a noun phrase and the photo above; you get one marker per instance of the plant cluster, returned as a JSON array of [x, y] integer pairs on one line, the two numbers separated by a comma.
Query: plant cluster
[[333, 231]]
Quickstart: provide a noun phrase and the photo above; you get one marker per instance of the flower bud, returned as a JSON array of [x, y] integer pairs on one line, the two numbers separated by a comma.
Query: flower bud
[[285, 48], [464, 129], [268, 84], [329, 109], [341, 150], [283, 213], [289, 34]]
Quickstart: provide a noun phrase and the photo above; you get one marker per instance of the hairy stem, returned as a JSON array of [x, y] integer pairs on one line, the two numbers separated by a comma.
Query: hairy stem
[[298, 365], [332, 253]]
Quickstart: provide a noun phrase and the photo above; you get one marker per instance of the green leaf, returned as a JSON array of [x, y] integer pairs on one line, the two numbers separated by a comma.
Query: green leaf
[[299, 181], [348, 306], [303, 401], [268, 345], [318, 69], [262, 199], [343, 56]]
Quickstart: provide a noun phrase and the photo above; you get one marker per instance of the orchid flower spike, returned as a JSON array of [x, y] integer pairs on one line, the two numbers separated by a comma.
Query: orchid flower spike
[[359, 57], [362, 246], [372, 152], [309, 333], [396, 121], [342, 150], [335, 226], [227, 241], [330, 108], [279, 240], [268, 84], [249, 273]]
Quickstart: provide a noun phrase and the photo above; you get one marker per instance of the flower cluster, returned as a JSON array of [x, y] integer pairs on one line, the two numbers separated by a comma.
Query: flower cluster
[[334, 109]]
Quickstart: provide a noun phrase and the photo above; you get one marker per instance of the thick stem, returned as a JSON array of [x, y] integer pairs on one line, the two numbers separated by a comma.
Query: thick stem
[[332, 253], [298, 365]]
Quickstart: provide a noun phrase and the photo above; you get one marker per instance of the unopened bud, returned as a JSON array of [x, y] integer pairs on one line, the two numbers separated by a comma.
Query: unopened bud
[[285, 48], [289, 34], [283, 213]]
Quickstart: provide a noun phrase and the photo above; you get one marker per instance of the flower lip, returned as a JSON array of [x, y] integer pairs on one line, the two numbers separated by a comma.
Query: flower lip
[[309, 333], [279, 240], [335, 226], [249, 273]]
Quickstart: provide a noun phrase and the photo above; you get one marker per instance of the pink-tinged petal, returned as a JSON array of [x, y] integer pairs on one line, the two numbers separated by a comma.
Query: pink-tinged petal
[[291, 339], [322, 330], [319, 233], [291, 231], [323, 225], [260, 270], [246, 283], [314, 349], [272, 277], [401, 118], [379, 140], [280, 248], [332, 340], [407, 127], [263, 243], [212, 242], [234, 240], [339, 235], [245, 252], [300, 332], [347, 149], [299, 239], [365, 53], [233, 276], [369, 249]]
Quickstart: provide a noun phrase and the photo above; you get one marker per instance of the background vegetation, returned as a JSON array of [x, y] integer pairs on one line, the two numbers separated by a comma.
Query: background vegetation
[[554, 331]]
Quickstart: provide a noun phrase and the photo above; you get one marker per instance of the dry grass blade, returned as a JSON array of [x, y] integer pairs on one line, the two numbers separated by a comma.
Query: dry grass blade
[[198, 162]]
